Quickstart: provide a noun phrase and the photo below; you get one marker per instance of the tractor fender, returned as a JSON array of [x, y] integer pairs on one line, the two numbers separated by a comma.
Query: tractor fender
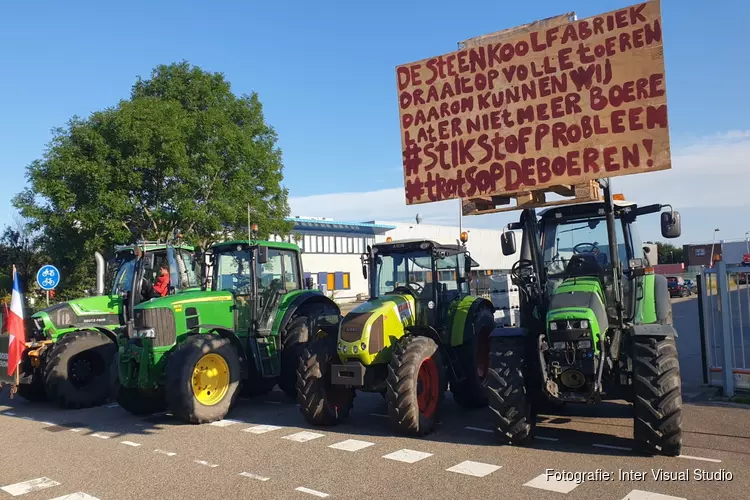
[[309, 300], [227, 334], [662, 301], [104, 331], [463, 318], [653, 330]]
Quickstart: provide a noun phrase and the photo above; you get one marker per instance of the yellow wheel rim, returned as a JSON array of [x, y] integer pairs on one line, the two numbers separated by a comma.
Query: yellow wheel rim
[[210, 381]]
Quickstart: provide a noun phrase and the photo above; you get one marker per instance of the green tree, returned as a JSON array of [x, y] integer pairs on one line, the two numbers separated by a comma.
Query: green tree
[[183, 153], [669, 254], [20, 247]]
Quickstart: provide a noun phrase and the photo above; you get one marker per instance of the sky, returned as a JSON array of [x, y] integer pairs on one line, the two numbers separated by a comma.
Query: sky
[[325, 73]]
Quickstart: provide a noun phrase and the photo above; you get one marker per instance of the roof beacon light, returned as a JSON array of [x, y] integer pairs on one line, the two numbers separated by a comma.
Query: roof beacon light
[[618, 196], [254, 227], [464, 236], [388, 239]]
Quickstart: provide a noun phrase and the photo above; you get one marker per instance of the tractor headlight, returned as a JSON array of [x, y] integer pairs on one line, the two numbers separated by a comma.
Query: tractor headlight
[[363, 346], [343, 349], [355, 349], [584, 344], [148, 333], [340, 347], [584, 323], [553, 326], [558, 346]]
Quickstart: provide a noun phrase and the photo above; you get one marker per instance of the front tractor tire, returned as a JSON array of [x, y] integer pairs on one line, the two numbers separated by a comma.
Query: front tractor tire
[[321, 402], [294, 336], [471, 392], [203, 378], [416, 385], [657, 425], [78, 372], [509, 402]]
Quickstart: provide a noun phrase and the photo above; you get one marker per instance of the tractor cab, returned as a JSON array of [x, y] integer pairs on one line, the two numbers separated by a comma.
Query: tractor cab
[[434, 275], [179, 260]]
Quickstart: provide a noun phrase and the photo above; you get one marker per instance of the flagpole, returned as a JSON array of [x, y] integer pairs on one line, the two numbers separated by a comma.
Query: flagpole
[[14, 387]]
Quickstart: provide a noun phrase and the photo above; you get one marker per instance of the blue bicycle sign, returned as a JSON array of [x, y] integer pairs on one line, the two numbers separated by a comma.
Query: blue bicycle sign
[[48, 277]]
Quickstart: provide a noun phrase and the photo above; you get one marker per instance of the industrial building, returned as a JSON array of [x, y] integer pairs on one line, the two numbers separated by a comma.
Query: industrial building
[[730, 251], [332, 250]]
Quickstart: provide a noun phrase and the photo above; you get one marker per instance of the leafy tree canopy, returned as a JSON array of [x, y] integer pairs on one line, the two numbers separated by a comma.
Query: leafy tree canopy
[[183, 153]]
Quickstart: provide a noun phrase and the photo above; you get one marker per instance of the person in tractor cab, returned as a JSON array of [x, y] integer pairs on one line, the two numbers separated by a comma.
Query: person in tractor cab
[[161, 287]]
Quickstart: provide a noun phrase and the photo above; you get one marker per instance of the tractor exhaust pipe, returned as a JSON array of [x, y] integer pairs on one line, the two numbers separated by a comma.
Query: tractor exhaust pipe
[[99, 273]]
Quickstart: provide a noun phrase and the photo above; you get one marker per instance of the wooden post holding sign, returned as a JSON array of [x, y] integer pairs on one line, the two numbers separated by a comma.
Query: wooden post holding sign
[[48, 277], [548, 106]]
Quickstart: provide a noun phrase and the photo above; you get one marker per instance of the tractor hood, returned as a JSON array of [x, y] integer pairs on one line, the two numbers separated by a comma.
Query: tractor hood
[[100, 310], [366, 333]]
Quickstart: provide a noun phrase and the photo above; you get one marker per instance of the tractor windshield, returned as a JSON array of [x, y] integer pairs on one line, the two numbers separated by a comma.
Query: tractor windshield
[[410, 269], [234, 271], [561, 240], [123, 281]]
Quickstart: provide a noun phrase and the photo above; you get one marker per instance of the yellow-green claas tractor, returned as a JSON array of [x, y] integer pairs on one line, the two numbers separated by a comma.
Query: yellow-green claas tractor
[[419, 332]]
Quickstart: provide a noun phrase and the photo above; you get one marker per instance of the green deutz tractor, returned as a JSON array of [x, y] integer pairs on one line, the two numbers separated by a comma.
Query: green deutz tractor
[[419, 331], [596, 323], [194, 352], [71, 345]]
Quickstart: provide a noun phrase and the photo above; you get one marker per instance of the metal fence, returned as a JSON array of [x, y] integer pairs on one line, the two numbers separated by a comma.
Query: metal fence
[[724, 309]]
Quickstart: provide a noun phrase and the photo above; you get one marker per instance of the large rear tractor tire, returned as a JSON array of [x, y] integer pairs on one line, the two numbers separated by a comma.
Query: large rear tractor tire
[[78, 372], [474, 357], [657, 425], [320, 402], [139, 402], [203, 378], [294, 336], [509, 403], [416, 385]]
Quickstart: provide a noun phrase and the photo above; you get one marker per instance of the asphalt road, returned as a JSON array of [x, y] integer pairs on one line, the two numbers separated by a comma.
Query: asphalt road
[[266, 450]]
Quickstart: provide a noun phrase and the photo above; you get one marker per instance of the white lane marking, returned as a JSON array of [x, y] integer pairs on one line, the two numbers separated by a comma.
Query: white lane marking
[[48, 423], [76, 430], [76, 496], [647, 495], [690, 457], [130, 443], [408, 456], [11, 413], [37, 484], [476, 469], [351, 445], [478, 429], [113, 405], [611, 447], [379, 415], [545, 438], [262, 429], [224, 423], [254, 476], [167, 453], [100, 436], [303, 437], [207, 464], [543, 482], [311, 492]]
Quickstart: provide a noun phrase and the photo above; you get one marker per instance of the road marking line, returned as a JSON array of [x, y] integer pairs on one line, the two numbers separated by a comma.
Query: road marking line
[[611, 447], [207, 464], [476, 469], [312, 492], [48, 424], [542, 482], [167, 453], [545, 438], [76, 496], [647, 495], [11, 413], [262, 429], [254, 476], [690, 457], [379, 415], [76, 430], [113, 405], [478, 429], [37, 484], [224, 423], [130, 443], [100, 436], [303, 437], [408, 456], [351, 445]]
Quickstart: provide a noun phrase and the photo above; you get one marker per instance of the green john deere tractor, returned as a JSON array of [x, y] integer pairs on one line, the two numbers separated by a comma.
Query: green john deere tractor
[[419, 331], [596, 323], [194, 352], [71, 345]]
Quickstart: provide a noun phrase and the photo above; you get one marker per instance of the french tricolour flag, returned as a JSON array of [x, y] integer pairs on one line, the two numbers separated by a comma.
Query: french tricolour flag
[[15, 326]]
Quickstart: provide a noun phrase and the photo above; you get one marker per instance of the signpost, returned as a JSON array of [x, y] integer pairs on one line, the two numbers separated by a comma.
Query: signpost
[[48, 277]]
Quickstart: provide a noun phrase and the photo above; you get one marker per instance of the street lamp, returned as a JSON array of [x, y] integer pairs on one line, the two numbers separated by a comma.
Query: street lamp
[[711, 263]]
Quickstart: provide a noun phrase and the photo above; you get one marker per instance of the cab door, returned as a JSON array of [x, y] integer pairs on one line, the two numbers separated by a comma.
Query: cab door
[[276, 275]]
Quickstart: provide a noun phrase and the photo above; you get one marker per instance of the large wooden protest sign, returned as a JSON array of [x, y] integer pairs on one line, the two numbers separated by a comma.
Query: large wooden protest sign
[[555, 103]]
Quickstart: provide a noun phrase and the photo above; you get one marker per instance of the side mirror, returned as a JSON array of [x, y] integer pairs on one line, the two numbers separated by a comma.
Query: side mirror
[[508, 242], [363, 258], [309, 283], [670, 224], [148, 262], [262, 254], [647, 249], [467, 264]]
